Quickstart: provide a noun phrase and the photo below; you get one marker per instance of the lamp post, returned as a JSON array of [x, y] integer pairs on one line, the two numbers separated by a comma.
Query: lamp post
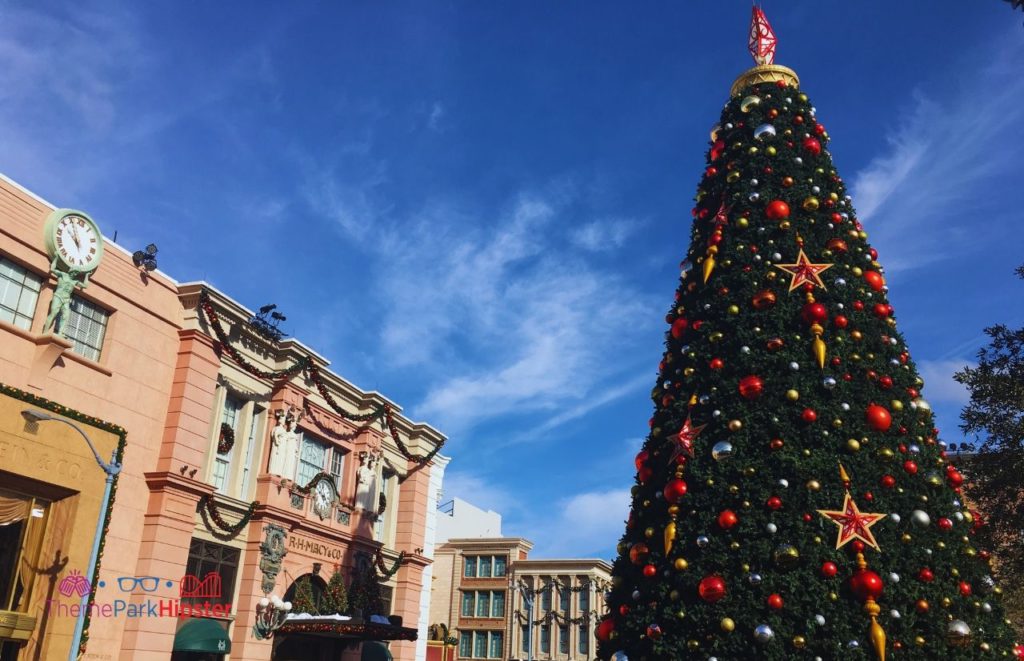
[[270, 615], [111, 470], [527, 595]]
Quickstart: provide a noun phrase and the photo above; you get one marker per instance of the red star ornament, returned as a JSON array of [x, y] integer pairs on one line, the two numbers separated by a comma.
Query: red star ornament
[[804, 271], [853, 524], [684, 440]]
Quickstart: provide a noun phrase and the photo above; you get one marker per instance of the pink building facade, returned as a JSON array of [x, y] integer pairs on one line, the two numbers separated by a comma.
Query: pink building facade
[[247, 465]]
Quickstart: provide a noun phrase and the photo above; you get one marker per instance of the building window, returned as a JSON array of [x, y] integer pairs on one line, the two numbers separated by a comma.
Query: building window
[[483, 604], [480, 644], [22, 526], [337, 467], [526, 637], [497, 646], [215, 566], [467, 604], [222, 463], [585, 600], [563, 639], [466, 644], [563, 598], [85, 327], [387, 593], [545, 638], [545, 597], [497, 604], [485, 566], [19, 292], [250, 448], [584, 635], [312, 459]]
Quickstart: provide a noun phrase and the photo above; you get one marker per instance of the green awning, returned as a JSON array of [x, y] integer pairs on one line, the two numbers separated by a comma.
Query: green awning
[[375, 651], [200, 634]]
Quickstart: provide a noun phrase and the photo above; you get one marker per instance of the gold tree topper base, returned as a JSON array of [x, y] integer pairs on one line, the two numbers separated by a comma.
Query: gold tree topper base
[[765, 73]]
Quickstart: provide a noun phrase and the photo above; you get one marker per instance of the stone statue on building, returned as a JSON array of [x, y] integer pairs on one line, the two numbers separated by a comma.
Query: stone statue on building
[[284, 444], [60, 306], [366, 482]]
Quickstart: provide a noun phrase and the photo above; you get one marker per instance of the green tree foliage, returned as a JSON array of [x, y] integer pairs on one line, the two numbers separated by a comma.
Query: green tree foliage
[[741, 364], [303, 601], [996, 412], [364, 592], [336, 596]]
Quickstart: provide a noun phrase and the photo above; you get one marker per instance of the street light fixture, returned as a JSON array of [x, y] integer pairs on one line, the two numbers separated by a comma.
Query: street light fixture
[[111, 469], [270, 615]]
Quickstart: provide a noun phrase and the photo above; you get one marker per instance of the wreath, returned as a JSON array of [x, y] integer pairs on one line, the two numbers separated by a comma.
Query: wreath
[[226, 440]]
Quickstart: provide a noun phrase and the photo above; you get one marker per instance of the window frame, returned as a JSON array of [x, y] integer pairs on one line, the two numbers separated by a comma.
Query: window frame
[[563, 638], [584, 643], [80, 345], [195, 566], [26, 275]]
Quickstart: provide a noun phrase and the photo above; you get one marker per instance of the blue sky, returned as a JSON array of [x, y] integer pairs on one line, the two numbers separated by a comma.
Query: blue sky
[[478, 208]]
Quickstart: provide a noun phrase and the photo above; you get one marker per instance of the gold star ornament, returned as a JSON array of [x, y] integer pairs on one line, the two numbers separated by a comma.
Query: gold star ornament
[[853, 524], [804, 272]]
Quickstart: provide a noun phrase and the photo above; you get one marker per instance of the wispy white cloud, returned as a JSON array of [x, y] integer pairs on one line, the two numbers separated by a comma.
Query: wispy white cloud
[[437, 114], [479, 491], [586, 524], [930, 184], [939, 385], [606, 234]]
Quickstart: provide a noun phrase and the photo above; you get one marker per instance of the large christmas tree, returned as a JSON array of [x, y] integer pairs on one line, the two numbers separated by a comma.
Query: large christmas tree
[[793, 499]]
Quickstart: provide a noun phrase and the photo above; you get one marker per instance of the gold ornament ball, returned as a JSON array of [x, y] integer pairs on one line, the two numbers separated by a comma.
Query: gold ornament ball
[[734, 546], [810, 203], [734, 489], [984, 647], [771, 151], [735, 425], [786, 556], [749, 471], [717, 335], [688, 371], [733, 177], [832, 596], [885, 453], [621, 548], [799, 642], [681, 564], [749, 103], [745, 568], [919, 641], [853, 445], [742, 222], [896, 405], [733, 309], [673, 509], [649, 532], [906, 538], [674, 595], [784, 225], [693, 645], [727, 624], [709, 482], [857, 271], [792, 395], [814, 485], [681, 615], [856, 335], [946, 602], [753, 150]]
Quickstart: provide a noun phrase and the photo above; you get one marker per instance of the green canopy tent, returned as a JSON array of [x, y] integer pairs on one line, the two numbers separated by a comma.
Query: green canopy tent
[[202, 635]]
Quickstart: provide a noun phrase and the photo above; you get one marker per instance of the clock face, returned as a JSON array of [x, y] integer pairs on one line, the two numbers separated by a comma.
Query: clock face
[[323, 499], [74, 239]]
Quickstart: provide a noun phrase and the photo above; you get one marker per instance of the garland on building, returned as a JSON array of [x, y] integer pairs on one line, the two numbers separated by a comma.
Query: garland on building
[[382, 505], [122, 442], [386, 573], [358, 630], [207, 503], [226, 440], [316, 478], [312, 371]]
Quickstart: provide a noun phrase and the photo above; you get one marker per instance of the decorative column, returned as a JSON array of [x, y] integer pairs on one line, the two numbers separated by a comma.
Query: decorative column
[[174, 493], [414, 503]]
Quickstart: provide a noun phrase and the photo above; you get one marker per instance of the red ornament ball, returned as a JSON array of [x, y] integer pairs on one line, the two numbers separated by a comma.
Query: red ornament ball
[[751, 387], [888, 481], [926, 575], [814, 313], [840, 321], [809, 415], [777, 210], [944, 524], [716, 364], [679, 327], [727, 519], [829, 569], [638, 553], [775, 601], [881, 310], [711, 589], [965, 588], [605, 629], [866, 584], [910, 467], [812, 146], [954, 477], [645, 473], [650, 571], [641, 459], [878, 417], [774, 503], [674, 490], [874, 280]]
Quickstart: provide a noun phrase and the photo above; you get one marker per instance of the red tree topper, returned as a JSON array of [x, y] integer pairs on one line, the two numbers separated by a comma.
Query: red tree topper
[[762, 38]]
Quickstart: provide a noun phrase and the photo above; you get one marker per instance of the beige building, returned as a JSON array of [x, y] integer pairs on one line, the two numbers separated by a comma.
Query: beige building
[[470, 593], [566, 598]]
